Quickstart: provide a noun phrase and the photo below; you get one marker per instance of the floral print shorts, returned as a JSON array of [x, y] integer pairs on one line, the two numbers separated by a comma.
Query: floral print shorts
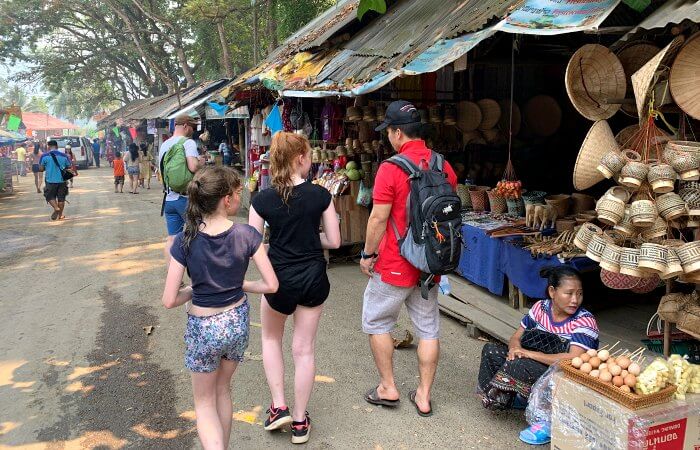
[[222, 335]]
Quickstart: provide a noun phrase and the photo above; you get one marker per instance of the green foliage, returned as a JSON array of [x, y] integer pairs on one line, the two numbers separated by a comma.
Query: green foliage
[[371, 5], [293, 15]]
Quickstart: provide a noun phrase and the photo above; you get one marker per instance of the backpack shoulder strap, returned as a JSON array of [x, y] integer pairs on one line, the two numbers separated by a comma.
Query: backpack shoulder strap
[[437, 161], [405, 164]]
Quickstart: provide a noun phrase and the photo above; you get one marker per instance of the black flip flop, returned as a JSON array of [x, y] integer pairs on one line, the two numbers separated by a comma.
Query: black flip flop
[[55, 215], [372, 396], [412, 396]]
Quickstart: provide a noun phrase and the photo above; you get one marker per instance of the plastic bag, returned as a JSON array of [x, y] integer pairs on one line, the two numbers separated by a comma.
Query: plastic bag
[[364, 196], [539, 405]]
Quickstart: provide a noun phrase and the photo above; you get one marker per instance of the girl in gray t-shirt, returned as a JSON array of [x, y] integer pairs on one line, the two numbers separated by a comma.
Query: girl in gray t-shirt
[[215, 252]]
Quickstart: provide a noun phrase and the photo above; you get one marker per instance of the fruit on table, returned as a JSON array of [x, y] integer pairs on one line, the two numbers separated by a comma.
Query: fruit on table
[[351, 165], [653, 378], [509, 189], [681, 374], [353, 174]]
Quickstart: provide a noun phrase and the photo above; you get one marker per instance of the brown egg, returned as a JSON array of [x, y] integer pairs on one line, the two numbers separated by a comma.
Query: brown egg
[[624, 362], [585, 357], [626, 388], [603, 366], [605, 376], [586, 368], [576, 362], [611, 360], [592, 353], [595, 373], [630, 380], [618, 381], [595, 362], [624, 373], [614, 369], [603, 355]]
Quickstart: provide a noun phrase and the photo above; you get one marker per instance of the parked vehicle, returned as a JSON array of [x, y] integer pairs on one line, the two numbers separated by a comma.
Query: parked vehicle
[[81, 149]]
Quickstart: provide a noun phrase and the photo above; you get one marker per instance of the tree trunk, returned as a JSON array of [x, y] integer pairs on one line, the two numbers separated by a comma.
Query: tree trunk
[[225, 50], [186, 69], [272, 25], [256, 38]]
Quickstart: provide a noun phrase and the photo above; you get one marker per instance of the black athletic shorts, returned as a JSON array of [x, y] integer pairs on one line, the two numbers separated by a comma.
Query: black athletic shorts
[[56, 191], [304, 284]]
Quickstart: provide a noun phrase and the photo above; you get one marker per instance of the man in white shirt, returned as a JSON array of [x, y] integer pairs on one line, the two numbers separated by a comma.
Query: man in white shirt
[[175, 204]]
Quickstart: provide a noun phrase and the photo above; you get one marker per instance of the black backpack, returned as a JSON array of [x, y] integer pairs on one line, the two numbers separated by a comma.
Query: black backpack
[[433, 241]]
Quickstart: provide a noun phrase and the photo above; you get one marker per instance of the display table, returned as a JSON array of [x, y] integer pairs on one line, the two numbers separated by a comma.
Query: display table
[[487, 262], [584, 419]]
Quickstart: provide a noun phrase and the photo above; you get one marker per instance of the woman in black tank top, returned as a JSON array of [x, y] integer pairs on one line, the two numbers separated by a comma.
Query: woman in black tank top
[[294, 210]]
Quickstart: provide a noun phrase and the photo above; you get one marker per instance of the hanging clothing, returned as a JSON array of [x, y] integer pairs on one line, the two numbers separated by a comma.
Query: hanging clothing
[[273, 121], [332, 123], [256, 130], [267, 134], [445, 83]]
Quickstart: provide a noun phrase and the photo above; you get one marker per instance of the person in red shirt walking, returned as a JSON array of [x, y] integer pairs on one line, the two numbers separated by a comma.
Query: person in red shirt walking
[[393, 280]]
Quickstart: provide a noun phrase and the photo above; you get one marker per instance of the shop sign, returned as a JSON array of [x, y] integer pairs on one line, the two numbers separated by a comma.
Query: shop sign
[[546, 17]]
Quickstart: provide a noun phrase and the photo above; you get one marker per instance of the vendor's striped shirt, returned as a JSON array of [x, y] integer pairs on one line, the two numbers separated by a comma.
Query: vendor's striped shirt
[[580, 329]]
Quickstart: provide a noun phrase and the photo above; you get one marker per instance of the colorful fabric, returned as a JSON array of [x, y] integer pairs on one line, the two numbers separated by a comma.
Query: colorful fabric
[[273, 122], [119, 167], [211, 338], [580, 329], [515, 376], [391, 187]]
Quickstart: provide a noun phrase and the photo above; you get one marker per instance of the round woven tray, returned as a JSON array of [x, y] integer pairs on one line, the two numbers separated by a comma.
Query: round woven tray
[[685, 87], [631, 401]]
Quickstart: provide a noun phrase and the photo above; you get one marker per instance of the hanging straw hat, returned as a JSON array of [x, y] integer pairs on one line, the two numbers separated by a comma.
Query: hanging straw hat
[[599, 141], [625, 137], [369, 114], [644, 79], [504, 122], [469, 116], [633, 57], [685, 78], [593, 77], [354, 114], [542, 115], [490, 113]]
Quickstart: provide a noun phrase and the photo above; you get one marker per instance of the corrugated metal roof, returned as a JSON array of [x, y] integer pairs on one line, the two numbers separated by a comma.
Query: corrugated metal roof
[[319, 30], [671, 12]]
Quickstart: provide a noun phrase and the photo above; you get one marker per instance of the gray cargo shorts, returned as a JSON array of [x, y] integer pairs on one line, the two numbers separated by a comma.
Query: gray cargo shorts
[[382, 304]]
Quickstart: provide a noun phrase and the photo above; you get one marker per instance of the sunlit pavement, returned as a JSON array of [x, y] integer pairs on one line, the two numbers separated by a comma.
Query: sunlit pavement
[[79, 370]]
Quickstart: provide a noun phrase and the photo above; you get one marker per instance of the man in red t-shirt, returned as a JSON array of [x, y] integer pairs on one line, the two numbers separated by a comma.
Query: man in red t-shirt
[[393, 280]]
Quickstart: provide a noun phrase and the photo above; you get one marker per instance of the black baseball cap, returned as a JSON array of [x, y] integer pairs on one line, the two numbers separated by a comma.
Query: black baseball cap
[[399, 112]]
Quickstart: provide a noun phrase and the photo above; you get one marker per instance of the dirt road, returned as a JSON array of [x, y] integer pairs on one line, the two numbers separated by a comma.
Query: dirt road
[[79, 370]]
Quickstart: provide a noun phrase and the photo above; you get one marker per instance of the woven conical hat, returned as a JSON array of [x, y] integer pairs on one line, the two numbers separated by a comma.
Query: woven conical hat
[[644, 79], [685, 78], [490, 113], [633, 57], [599, 141], [593, 77], [469, 116]]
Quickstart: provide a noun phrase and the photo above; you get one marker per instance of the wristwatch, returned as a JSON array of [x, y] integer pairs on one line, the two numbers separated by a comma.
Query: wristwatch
[[364, 255]]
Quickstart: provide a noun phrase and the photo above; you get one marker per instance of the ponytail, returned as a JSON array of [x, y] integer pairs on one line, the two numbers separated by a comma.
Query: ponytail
[[206, 189]]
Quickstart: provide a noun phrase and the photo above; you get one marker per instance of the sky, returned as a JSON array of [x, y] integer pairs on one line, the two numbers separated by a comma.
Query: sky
[[7, 71]]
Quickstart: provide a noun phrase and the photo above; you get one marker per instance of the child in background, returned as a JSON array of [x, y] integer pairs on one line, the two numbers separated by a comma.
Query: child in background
[[216, 252], [118, 164]]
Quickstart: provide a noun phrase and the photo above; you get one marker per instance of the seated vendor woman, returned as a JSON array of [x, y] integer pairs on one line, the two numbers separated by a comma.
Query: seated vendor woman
[[555, 328]]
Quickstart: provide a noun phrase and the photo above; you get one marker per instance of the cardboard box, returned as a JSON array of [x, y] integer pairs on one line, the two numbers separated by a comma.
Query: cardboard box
[[583, 419]]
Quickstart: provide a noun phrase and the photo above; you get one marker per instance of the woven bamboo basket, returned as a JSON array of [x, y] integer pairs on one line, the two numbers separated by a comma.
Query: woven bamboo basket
[[626, 227], [594, 75], [689, 255], [662, 178], [479, 197], [516, 207], [643, 213], [497, 203], [585, 235], [630, 401], [597, 245], [610, 260], [671, 206], [611, 164], [610, 211], [674, 267], [686, 164], [653, 257], [581, 203], [634, 174], [463, 193], [560, 202], [629, 263], [644, 79]]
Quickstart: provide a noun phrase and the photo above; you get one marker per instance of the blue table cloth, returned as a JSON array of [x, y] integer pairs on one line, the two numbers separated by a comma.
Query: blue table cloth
[[480, 262], [487, 262]]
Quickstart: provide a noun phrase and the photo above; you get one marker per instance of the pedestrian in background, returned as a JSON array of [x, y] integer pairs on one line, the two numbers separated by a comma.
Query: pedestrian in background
[[225, 151], [145, 167], [394, 281], [216, 252], [53, 164], [119, 170], [175, 204], [33, 159], [96, 152], [21, 154], [73, 167], [294, 209], [132, 159]]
